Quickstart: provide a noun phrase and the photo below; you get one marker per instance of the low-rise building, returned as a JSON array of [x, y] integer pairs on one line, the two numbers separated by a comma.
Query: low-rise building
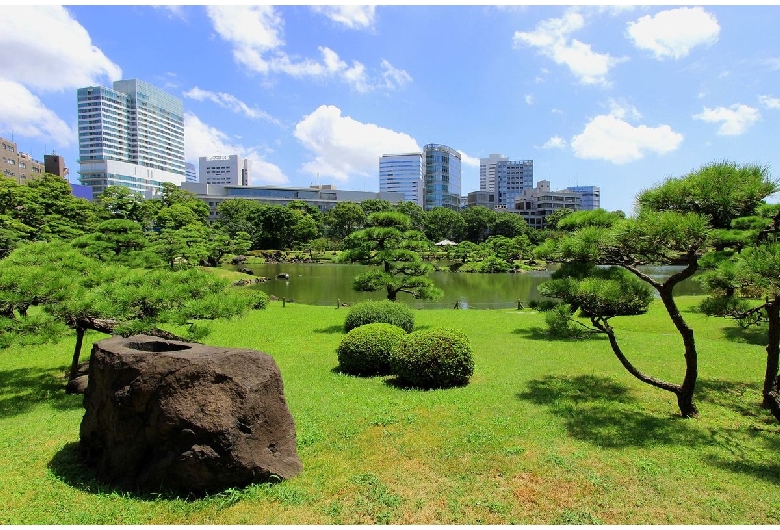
[[539, 202], [18, 166]]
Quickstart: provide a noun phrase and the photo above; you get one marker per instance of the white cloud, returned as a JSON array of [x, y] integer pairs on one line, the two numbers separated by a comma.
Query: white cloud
[[609, 137], [529, 99], [344, 147], [201, 139], [466, 160], [174, 11], [24, 114], [45, 48], [769, 102], [551, 38], [256, 35], [735, 120], [230, 102], [675, 32], [351, 16], [555, 142]]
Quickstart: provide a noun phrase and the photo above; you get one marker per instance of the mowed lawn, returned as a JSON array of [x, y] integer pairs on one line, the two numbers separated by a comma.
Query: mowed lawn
[[548, 432]]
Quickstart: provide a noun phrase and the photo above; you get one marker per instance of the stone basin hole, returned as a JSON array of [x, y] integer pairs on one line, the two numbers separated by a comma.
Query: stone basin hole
[[156, 346]]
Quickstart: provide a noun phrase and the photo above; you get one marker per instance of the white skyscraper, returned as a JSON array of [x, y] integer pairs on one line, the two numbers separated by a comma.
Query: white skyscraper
[[229, 170], [487, 172], [404, 173], [131, 135]]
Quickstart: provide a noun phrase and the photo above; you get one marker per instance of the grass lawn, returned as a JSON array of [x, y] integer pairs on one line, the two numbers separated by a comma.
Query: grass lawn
[[549, 432]]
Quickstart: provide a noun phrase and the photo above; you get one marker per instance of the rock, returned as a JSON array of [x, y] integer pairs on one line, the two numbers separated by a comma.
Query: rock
[[188, 418], [238, 259], [77, 385], [283, 276]]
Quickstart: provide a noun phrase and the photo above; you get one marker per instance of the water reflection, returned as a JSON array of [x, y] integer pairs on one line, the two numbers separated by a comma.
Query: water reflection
[[329, 284]]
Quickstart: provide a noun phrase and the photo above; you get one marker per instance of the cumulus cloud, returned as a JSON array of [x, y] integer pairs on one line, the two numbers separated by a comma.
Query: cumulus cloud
[[25, 114], [351, 16], [769, 102], [256, 35], [200, 139], [675, 32], [609, 137], [555, 142], [342, 147], [466, 160], [551, 37], [529, 99], [45, 48], [734, 120], [230, 102]]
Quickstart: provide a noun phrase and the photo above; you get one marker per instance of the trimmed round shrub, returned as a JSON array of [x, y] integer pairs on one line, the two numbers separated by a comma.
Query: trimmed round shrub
[[433, 358], [385, 311], [366, 350]]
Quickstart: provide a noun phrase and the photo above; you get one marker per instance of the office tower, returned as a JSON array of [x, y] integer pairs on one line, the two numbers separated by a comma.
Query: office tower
[[224, 170], [487, 172], [591, 196], [404, 173], [130, 135], [511, 179], [442, 177], [190, 173]]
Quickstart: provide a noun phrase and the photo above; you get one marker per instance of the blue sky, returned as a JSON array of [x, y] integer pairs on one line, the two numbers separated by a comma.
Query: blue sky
[[618, 97]]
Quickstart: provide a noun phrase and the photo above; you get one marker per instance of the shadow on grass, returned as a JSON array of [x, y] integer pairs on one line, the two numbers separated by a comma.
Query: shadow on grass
[[400, 385], [24, 388], [68, 467], [539, 333], [601, 411], [755, 335], [331, 329], [731, 395]]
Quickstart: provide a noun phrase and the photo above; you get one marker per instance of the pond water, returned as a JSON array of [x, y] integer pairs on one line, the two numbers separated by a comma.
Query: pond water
[[328, 284]]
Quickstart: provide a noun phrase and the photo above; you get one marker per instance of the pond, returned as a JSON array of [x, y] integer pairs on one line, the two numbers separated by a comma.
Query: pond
[[328, 284]]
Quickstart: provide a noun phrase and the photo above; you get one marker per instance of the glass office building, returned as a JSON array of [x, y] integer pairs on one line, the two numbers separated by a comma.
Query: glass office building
[[404, 173], [511, 179], [591, 196], [136, 125], [442, 177]]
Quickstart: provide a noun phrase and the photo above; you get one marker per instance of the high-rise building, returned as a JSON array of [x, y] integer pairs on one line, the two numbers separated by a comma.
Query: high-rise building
[[591, 196], [487, 172], [229, 170], [17, 165], [190, 173], [130, 135], [404, 173], [442, 177], [55, 165], [512, 178]]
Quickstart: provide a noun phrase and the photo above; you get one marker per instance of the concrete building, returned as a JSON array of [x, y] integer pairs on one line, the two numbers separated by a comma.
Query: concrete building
[[487, 172], [442, 177], [483, 198], [512, 178], [55, 165], [322, 197], [403, 173], [229, 170], [190, 173], [130, 135], [591, 196], [537, 203], [17, 165]]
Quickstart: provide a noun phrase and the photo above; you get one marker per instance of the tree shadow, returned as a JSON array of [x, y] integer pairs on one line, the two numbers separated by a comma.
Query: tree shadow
[[394, 382], [731, 395], [24, 388], [539, 333], [600, 411], [336, 328], [743, 458], [755, 335]]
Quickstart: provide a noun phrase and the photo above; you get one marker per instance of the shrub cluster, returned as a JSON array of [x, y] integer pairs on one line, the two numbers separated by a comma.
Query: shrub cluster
[[433, 358], [559, 322], [384, 311], [366, 350]]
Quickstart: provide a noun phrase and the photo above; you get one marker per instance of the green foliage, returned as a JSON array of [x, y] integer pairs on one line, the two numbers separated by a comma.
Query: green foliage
[[552, 220], [490, 264], [582, 218], [479, 223], [508, 225], [366, 349], [384, 311], [559, 322], [343, 219], [433, 358], [722, 191], [443, 223]]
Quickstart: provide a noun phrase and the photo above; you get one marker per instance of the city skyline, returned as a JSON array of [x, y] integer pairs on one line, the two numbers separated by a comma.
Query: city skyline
[[618, 98]]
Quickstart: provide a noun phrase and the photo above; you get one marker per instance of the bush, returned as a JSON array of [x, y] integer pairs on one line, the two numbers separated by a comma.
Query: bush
[[384, 311], [366, 349], [433, 358], [559, 322], [542, 305]]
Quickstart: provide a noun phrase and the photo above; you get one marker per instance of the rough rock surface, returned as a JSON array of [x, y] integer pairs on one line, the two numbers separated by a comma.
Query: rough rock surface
[[169, 415]]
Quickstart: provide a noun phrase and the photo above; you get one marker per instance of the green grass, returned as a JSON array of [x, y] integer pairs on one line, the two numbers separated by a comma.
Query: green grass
[[547, 432]]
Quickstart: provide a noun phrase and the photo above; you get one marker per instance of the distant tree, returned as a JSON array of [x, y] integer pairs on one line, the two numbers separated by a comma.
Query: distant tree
[[414, 211], [552, 219], [583, 218], [120, 202], [237, 215], [388, 242], [376, 205], [343, 219], [479, 223], [443, 223], [112, 240], [508, 225]]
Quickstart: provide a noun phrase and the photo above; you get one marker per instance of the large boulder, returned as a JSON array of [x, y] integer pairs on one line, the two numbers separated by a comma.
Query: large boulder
[[171, 415]]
